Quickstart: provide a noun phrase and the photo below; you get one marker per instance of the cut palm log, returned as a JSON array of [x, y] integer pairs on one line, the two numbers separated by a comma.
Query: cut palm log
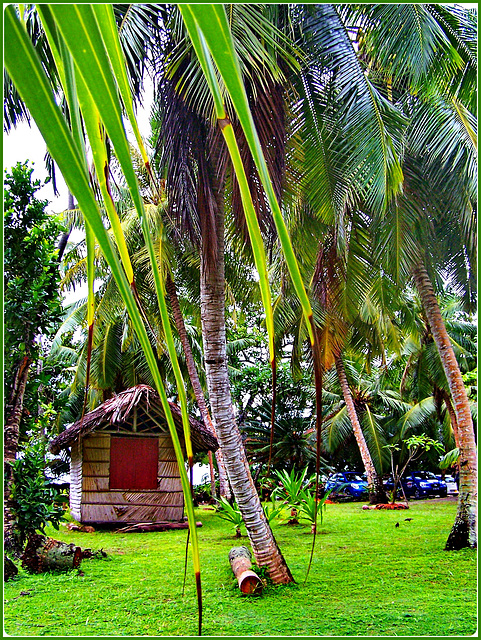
[[46, 554], [240, 559]]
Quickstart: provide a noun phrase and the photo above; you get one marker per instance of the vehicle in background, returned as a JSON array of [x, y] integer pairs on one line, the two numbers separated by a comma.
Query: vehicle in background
[[348, 483], [451, 486], [420, 484], [388, 483]]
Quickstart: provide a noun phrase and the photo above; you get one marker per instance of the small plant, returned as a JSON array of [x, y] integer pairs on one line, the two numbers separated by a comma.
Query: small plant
[[416, 446], [291, 490], [34, 503], [292, 484], [231, 513], [271, 509], [309, 505]]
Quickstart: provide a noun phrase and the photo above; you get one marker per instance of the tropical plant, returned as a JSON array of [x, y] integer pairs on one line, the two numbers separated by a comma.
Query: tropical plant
[[291, 486], [271, 509], [231, 513], [313, 508], [34, 503], [437, 207], [413, 448], [32, 304]]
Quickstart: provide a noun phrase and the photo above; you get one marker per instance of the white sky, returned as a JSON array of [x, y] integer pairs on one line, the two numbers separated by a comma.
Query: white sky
[[26, 143]]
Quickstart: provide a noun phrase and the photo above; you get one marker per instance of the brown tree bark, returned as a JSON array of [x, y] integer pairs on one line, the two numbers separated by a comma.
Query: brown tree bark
[[241, 564], [212, 287], [197, 388], [14, 411], [463, 533], [9, 569], [377, 494]]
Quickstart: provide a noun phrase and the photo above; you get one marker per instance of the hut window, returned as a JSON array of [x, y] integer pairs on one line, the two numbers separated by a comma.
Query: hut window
[[133, 463]]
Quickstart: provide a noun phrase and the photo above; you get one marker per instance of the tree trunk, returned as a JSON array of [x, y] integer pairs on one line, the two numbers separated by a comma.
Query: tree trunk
[[377, 494], [241, 564], [62, 243], [14, 411], [197, 388], [46, 554], [266, 551], [463, 533], [9, 569]]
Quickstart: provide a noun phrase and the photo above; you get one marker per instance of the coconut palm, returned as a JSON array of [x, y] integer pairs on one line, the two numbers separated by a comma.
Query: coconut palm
[[437, 206], [361, 105]]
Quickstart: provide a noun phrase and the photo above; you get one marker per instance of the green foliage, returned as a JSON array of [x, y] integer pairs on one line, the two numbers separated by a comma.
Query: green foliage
[[32, 303], [271, 509], [231, 513], [291, 488], [34, 503], [411, 449], [294, 440], [422, 442], [449, 459], [310, 506]]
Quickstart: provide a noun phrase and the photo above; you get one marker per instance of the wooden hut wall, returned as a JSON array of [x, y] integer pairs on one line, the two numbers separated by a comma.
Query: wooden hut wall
[[101, 504], [76, 480]]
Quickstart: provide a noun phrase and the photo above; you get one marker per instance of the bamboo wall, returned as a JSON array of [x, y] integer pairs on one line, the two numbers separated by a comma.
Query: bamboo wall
[[101, 505], [76, 480]]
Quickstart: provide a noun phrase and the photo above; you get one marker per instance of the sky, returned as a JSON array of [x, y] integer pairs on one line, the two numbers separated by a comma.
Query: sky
[[26, 143]]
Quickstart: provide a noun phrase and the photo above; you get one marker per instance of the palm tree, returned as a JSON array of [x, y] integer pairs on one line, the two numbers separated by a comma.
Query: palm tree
[[372, 168], [437, 207]]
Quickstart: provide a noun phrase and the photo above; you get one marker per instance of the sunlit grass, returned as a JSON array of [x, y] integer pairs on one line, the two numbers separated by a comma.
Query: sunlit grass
[[368, 578]]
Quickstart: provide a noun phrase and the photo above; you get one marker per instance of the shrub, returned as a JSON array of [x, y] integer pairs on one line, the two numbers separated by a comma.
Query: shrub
[[34, 503], [231, 513]]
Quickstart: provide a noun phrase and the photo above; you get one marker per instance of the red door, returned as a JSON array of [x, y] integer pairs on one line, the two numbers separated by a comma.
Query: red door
[[133, 463]]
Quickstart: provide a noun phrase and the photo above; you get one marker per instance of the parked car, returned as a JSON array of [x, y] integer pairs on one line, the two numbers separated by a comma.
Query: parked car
[[451, 485], [349, 483], [419, 484], [388, 483]]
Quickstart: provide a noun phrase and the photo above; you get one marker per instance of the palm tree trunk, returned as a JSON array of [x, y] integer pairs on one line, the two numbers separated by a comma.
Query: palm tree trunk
[[463, 533], [212, 286], [197, 388], [14, 411], [62, 243], [377, 493]]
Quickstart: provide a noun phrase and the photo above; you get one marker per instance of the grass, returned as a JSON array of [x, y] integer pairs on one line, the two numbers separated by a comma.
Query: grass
[[368, 578]]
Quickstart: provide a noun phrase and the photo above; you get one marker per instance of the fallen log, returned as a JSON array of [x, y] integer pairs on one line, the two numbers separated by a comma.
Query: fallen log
[[240, 559], [83, 528], [46, 554], [155, 526]]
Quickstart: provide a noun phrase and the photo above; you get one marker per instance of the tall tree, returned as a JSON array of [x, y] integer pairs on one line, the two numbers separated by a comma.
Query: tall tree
[[32, 300]]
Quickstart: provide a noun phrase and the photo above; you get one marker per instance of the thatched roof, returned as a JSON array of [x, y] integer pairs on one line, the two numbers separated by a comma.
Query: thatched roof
[[117, 411]]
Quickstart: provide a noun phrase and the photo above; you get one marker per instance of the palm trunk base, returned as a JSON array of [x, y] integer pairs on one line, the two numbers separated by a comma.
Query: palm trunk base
[[463, 533], [378, 495]]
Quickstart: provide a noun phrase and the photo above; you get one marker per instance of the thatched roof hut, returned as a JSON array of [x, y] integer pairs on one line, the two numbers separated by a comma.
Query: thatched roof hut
[[119, 412], [123, 467]]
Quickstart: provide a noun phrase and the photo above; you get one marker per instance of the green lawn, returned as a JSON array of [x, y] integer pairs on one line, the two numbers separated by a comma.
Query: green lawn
[[368, 578]]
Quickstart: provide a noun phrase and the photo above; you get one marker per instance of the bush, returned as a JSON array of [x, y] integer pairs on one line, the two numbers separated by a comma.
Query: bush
[[35, 503]]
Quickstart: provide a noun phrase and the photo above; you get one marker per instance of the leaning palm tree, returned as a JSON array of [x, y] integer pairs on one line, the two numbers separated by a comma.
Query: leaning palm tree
[[437, 206]]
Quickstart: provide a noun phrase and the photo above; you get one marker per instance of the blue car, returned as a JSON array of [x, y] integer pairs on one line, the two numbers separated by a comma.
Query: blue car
[[420, 484], [348, 483]]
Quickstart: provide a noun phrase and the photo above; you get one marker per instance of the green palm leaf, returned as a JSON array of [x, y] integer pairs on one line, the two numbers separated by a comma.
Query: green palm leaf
[[27, 73]]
